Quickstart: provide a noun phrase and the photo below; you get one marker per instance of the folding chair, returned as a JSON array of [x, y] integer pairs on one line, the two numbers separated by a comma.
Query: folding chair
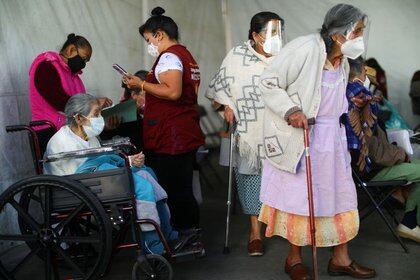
[[378, 193]]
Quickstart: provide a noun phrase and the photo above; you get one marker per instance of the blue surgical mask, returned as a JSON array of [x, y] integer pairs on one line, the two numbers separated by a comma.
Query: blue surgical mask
[[95, 128]]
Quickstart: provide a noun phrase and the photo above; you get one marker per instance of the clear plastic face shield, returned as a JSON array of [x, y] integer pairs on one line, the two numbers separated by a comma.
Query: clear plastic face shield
[[273, 36], [356, 39]]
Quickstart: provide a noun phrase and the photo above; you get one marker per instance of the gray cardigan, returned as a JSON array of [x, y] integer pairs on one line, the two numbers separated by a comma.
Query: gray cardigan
[[292, 81]]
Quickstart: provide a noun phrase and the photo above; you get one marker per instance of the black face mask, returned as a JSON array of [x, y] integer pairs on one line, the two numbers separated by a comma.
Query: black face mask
[[76, 63]]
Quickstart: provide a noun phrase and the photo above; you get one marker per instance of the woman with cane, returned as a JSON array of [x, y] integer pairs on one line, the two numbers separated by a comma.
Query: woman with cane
[[234, 90], [308, 80]]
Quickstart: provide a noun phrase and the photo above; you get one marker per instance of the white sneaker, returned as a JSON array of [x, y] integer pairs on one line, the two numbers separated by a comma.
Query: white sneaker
[[413, 234]]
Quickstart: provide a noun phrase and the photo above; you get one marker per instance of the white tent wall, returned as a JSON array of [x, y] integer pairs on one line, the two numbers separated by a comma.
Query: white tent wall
[[394, 38]]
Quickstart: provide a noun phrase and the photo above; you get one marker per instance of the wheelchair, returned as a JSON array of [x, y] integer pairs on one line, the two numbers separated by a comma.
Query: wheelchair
[[72, 226]]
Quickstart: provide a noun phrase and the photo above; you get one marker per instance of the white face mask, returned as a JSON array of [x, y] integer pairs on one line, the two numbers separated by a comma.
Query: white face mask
[[152, 50], [95, 128], [353, 48], [272, 45], [366, 83]]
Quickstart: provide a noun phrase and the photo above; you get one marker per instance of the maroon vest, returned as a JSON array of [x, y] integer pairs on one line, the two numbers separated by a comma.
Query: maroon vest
[[172, 127]]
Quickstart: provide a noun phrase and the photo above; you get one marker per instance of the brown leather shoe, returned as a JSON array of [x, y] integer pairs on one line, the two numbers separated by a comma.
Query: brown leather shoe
[[255, 248], [354, 270], [297, 271]]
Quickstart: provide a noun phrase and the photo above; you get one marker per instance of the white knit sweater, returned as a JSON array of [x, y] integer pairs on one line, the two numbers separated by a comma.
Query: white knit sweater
[[292, 80]]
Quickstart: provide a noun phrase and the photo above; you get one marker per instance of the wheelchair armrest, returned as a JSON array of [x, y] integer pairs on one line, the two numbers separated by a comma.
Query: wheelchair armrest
[[83, 153], [116, 141], [393, 183], [123, 142]]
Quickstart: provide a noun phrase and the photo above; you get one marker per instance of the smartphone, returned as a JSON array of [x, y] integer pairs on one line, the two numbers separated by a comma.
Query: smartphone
[[119, 69]]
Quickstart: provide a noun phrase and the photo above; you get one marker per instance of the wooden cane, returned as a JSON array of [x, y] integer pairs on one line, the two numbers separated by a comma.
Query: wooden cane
[[310, 199]]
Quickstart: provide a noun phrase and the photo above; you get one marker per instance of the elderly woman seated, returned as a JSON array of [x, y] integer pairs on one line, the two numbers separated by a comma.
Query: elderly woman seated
[[372, 155], [84, 124]]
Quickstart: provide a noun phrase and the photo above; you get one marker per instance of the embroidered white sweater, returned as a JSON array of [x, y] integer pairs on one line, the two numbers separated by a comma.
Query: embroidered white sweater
[[292, 80], [236, 85]]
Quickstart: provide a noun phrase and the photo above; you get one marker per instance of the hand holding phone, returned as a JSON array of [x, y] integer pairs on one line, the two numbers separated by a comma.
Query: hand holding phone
[[132, 81], [119, 69]]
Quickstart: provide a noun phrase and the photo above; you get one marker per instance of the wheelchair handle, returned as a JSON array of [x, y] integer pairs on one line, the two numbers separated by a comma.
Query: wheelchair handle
[[16, 128], [41, 123]]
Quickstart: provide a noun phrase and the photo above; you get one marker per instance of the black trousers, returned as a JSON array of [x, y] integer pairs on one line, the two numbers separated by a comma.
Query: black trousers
[[175, 175]]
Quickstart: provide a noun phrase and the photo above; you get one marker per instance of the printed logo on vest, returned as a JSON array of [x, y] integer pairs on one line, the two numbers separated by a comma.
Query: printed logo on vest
[[272, 146], [195, 74]]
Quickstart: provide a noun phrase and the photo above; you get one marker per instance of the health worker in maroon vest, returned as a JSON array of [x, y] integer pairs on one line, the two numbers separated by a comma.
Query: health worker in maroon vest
[[172, 132]]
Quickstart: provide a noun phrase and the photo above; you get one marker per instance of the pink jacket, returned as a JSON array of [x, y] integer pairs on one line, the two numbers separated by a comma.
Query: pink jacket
[[71, 83]]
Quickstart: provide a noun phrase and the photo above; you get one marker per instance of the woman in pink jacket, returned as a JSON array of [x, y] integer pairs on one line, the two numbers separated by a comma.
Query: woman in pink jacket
[[55, 77]]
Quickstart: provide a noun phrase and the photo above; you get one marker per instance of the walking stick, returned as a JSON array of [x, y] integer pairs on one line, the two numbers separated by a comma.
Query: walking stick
[[226, 249], [310, 199]]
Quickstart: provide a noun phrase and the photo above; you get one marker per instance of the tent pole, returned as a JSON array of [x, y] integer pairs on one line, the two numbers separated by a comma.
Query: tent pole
[[146, 59], [227, 27]]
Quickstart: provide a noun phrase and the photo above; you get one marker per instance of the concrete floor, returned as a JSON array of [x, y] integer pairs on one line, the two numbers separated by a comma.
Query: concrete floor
[[374, 247]]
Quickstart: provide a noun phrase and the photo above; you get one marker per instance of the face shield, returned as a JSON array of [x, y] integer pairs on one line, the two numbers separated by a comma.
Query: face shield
[[273, 37], [356, 39], [371, 75]]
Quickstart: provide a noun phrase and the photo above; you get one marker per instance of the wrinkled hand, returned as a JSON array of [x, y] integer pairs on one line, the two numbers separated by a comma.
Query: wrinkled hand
[[229, 115], [112, 122], [137, 160], [360, 102], [378, 97], [139, 98], [132, 81], [104, 102], [298, 120]]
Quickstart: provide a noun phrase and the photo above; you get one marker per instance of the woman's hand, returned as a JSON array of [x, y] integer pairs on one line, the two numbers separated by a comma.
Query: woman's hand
[[139, 98], [298, 120], [360, 101], [229, 115], [137, 160], [112, 123], [104, 102], [132, 81]]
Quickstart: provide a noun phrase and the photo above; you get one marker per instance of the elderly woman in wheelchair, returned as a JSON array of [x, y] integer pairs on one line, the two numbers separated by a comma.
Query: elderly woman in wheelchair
[[84, 124]]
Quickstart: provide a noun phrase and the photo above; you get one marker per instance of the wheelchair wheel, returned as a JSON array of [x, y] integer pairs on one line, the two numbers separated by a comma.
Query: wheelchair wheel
[[152, 266], [58, 243]]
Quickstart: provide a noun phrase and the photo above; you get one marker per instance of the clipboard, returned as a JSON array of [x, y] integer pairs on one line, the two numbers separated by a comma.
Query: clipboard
[[126, 111]]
